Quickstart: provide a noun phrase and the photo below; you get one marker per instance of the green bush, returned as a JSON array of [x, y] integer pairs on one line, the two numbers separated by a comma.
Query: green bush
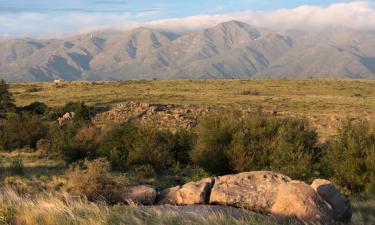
[[22, 130], [83, 145], [214, 136], [130, 145], [35, 108], [351, 157], [227, 142], [117, 144]]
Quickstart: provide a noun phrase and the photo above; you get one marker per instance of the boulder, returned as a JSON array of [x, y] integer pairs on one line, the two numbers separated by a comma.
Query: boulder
[[189, 194], [340, 204], [254, 191], [299, 200], [142, 194]]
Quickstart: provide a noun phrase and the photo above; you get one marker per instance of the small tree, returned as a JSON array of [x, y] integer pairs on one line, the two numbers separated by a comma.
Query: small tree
[[6, 99]]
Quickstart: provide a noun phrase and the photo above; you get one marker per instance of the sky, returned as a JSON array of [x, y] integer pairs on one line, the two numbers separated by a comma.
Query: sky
[[53, 18]]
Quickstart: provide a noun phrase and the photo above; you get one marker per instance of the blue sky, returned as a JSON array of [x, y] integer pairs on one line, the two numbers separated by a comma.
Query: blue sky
[[56, 17]]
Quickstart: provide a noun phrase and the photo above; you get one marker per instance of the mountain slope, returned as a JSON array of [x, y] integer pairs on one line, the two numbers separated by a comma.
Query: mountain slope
[[229, 50]]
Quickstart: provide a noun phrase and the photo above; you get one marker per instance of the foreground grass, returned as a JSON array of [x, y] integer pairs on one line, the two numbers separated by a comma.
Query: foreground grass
[[64, 209], [325, 102]]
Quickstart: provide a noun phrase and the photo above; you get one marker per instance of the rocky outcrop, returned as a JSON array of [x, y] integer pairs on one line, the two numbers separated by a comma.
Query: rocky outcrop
[[167, 116], [340, 204], [260, 191], [192, 193], [142, 194], [299, 200], [254, 191]]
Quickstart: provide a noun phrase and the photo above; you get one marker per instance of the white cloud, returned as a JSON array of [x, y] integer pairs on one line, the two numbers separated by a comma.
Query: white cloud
[[355, 15]]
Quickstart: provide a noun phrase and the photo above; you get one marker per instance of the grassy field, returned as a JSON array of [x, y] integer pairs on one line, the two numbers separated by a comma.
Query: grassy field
[[325, 102], [40, 204]]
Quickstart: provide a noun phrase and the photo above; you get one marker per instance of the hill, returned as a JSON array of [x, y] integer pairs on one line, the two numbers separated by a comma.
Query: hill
[[229, 50]]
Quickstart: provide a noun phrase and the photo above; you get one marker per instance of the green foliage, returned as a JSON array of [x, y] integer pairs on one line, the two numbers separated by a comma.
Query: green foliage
[[351, 157], [21, 130], [7, 213], [117, 144], [214, 135], [35, 108], [6, 99], [228, 142], [83, 146], [80, 109], [130, 145]]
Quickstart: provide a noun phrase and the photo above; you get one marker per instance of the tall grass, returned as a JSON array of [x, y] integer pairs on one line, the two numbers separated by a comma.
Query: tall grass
[[63, 209]]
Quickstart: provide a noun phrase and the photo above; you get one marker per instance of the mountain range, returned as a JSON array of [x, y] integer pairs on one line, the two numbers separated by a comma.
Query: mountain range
[[229, 50]]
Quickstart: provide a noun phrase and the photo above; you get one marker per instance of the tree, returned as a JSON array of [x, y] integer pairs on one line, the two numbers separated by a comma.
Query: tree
[[6, 99]]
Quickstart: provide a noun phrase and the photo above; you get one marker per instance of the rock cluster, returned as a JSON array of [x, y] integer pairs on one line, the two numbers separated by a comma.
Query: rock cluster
[[167, 116], [260, 191]]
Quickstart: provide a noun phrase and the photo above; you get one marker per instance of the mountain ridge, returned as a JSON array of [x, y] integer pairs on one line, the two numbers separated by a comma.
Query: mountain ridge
[[231, 49]]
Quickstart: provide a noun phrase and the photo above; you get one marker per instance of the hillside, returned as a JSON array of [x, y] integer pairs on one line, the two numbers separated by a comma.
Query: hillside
[[228, 50]]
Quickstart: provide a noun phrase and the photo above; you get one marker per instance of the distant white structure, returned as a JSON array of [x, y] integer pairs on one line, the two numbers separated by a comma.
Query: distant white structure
[[58, 81]]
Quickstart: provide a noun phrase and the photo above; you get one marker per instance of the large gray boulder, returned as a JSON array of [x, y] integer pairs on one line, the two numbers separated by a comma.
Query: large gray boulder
[[254, 191], [340, 204], [192, 193]]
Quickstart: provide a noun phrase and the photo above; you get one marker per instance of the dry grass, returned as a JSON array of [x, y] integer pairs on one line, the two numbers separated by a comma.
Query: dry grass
[[63, 209], [324, 101]]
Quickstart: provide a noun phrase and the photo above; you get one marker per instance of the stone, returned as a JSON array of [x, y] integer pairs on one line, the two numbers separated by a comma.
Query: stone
[[341, 207], [141, 194], [297, 199], [192, 193], [255, 191]]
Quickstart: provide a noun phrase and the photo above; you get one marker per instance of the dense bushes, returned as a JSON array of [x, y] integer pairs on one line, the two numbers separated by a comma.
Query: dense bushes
[[227, 143], [130, 146], [21, 130], [351, 157]]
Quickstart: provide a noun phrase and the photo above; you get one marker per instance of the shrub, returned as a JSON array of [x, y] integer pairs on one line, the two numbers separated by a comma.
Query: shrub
[[80, 109], [117, 143], [83, 145], [214, 136], [16, 166], [93, 180], [6, 99], [183, 144], [33, 89], [22, 130], [154, 147], [351, 157], [229, 142], [294, 151], [129, 146], [35, 108]]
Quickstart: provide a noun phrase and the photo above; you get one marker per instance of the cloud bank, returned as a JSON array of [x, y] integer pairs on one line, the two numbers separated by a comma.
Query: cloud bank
[[353, 15]]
